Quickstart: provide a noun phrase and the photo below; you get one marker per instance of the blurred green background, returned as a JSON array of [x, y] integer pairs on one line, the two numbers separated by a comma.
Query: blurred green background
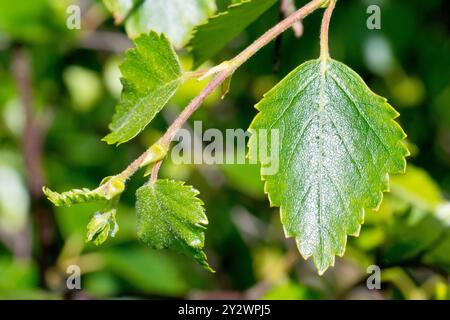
[[58, 90]]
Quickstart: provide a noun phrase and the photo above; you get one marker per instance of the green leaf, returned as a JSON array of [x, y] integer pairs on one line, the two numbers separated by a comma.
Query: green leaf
[[175, 18], [338, 144], [151, 75], [109, 188], [214, 35], [171, 216], [102, 226]]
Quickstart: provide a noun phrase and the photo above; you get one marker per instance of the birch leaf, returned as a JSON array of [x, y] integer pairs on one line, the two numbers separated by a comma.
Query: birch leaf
[[170, 216], [151, 74], [339, 142], [110, 188]]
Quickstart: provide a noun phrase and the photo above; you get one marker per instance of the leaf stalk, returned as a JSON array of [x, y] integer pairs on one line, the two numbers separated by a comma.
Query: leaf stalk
[[324, 30]]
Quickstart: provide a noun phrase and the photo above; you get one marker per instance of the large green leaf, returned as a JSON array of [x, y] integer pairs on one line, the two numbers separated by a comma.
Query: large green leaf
[[338, 144], [151, 74], [171, 216], [211, 37], [176, 18]]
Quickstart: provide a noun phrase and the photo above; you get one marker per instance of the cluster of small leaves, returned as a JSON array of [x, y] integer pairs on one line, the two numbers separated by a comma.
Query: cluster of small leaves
[[151, 75], [109, 188], [339, 141]]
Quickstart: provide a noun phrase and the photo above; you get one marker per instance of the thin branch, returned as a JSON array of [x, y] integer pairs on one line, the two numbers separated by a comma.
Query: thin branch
[[222, 72], [324, 30], [32, 144], [275, 31], [32, 135], [193, 106]]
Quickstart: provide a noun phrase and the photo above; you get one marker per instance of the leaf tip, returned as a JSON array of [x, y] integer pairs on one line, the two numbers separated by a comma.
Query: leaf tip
[[52, 196]]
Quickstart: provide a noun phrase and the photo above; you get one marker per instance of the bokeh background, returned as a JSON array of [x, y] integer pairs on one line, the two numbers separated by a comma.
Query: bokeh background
[[58, 90]]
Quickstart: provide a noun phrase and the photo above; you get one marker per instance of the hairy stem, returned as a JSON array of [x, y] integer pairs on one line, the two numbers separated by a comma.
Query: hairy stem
[[276, 31], [221, 76], [324, 30]]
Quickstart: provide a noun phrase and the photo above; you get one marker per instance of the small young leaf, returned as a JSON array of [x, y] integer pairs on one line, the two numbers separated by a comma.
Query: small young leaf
[[151, 75], [338, 144], [109, 188], [211, 37], [71, 197], [102, 226], [171, 216], [176, 18]]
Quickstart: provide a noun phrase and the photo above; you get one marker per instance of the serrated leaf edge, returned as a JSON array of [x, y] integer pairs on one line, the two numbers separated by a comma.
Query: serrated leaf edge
[[199, 254], [380, 193], [109, 138]]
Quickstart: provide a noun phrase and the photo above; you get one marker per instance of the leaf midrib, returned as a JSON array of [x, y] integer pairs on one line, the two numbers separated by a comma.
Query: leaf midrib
[[323, 69], [124, 120]]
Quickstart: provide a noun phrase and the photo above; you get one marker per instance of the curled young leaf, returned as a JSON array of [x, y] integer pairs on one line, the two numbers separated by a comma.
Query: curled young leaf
[[109, 188], [151, 74], [209, 38], [102, 226]]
